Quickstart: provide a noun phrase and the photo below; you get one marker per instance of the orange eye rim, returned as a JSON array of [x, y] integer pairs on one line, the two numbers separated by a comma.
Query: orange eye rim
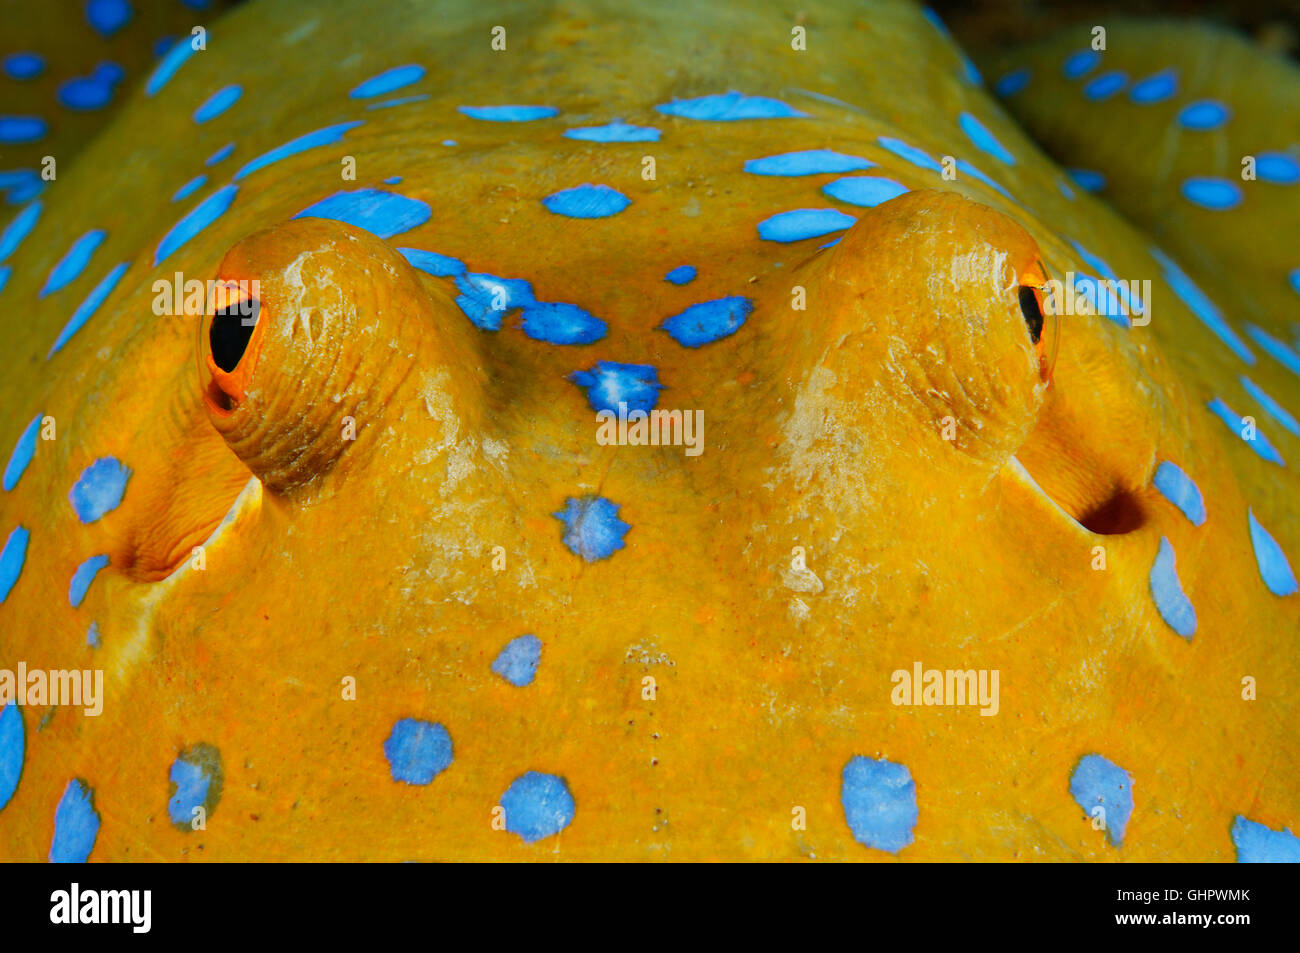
[[223, 390]]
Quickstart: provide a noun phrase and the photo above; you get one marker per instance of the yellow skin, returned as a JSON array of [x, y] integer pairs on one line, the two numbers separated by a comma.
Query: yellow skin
[[824, 429]]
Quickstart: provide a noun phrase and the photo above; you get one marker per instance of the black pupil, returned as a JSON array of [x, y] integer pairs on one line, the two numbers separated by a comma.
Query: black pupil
[[231, 330], [1033, 316]]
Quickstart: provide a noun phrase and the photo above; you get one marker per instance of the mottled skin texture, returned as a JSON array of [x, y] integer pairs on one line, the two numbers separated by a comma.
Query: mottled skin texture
[[823, 430]]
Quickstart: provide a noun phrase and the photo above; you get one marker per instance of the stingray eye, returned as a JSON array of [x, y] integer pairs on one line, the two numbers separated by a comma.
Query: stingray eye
[[1035, 297], [1032, 312], [231, 342], [231, 330]]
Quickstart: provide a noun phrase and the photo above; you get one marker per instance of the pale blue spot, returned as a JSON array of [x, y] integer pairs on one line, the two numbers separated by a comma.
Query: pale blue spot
[[74, 262], [389, 80], [12, 558], [189, 188], [1279, 351], [910, 153], [13, 744], [587, 201], [1206, 114], [16, 130], [18, 229], [609, 384], [392, 180], [1177, 487], [1211, 193], [87, 308], [1101, 299], [509, 113], [196, 777], [1131, 304], [1013, 82], [24, 450], [1273, 566], [76, 824], [449, 142], [537, 805], [1259, 844], [879, 801], [417, 751], [1201, 306], [108, 16], [321, 137], [218, 103], [1079, 64], [592, 528], [864, 190], [1105, 86], [518, 661], [173, 60], [92, 635], [399, 101], [1156, 88], [796, 225], [195, 221], [83, 577], [1259, 444], [440, 266], [616, 131], [966, 167], [1087, 179], [564, 324], [708, 321], [5, 272], [681, 275], [381, 213], [729, 107], [808, 162], [1099, 782], [99, 489], [1293, 277], [1278, 168], [486, 298], [1174, 606], [1274, 409], [24, 65], [220, 155], [983, 139]]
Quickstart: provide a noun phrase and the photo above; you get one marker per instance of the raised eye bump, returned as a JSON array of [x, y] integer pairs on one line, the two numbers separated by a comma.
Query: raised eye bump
[[1032, 312]]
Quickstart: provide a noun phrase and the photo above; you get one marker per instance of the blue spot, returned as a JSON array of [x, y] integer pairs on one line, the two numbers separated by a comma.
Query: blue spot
[[1201, 306], [1101, 299], [92, 635], [592, 528], [24, 65], [609, 384], [74, 262], [681, 275], [393, 180], [82, 578], [13, 743], [173, 60], [970, 170], [1215, 194], [486, 298], [1099, 782], [562, 324], [1079, 64], [972, 73], [99, 489], [195, 221], [803, 223], [218, 103], [190, 187], [1206, 114], [1260, 444], [76, 824], [1155, 88], [1131, 304], [983, 139], [509, 113], [1105, 86], [91, 92], [417, 751], [518, 661], [24, 450], [879, 801], [220, 155], [729, 107], [910, 153], [196, 777], [88, 307], [21, 185], [1259, 844], [1274, 409], [18, 229], [321, 137], [16, 130], [399, 101], [12, 558], [1087, 179], [449, 142], [1278, 168], [1273, 566], [587, 201], [1277, 350], [1177, 487], [381, 213], [808, 162], [864, 190], [616, 131], [389, 80], [108, 16], [1293, 277], [1013, 82], [440, 266], [5, 272], [1174, 606], [162, 45], [708, 321], [537, 805]]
